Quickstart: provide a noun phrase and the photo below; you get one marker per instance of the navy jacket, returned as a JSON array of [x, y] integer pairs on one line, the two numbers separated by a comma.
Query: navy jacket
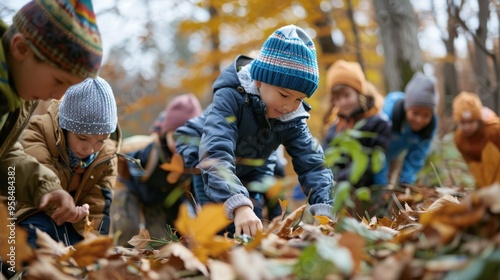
[[232, 141]]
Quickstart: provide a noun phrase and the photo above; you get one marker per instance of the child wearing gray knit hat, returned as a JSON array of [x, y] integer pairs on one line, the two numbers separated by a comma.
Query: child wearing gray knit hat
[[73, 140], [414, 125]]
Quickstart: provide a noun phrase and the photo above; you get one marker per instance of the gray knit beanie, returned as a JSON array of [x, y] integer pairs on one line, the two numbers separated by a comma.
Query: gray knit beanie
[[89, 108], [420, 91]]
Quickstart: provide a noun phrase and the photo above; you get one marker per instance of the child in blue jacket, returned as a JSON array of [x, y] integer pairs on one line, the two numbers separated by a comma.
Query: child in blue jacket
[[414, 124], [258, 105]]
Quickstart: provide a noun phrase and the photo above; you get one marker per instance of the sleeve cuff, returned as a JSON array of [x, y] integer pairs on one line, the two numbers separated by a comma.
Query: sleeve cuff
[[321, 209], [234, 202]]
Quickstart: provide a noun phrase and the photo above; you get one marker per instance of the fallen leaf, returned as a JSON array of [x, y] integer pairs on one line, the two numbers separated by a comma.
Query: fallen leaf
[[201, 230], [249, 265], [43, 268], [284, 207], [188, 259], [323, 220], [221, 270], [356, 245], [89, 251], [140, 240], [286, 226]]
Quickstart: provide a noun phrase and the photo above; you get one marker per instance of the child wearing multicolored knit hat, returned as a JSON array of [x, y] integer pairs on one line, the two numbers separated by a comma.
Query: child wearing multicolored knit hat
[[414, 124], [77, 139], [475, 126], [145, 198], [51, 45], [258, 105], [355, 105]]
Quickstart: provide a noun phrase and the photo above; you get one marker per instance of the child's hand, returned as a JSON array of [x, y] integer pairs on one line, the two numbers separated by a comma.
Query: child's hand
[[64, 204], [81, 212], [246, 221]]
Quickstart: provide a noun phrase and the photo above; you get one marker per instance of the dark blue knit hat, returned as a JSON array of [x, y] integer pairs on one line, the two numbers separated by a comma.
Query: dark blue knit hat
[[89, 108], [288, 60]]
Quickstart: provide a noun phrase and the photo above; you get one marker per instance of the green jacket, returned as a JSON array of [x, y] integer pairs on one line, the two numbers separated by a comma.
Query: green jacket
[[32, 179]]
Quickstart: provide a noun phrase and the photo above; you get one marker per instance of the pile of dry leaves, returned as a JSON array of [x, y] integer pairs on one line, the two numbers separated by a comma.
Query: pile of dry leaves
[[432, 234]]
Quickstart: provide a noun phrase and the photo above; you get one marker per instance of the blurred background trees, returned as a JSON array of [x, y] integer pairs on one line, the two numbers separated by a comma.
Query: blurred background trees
[[156, 49]]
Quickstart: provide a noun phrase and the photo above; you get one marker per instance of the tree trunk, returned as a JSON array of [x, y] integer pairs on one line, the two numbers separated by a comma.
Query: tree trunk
[[398, 33], [355, 31], [449, 70], [481, 60]]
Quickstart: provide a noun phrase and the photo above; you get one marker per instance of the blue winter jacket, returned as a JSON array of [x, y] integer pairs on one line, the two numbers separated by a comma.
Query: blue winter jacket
[[417, 144], [232, 141]]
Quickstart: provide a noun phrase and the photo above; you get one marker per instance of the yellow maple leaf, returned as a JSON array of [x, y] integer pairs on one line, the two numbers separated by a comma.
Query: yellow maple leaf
[[323, 220], [175, 168], [200, 231]]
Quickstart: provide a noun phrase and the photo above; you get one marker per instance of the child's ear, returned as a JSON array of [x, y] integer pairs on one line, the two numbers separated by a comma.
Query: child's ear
[[19, 47], [258, 83]]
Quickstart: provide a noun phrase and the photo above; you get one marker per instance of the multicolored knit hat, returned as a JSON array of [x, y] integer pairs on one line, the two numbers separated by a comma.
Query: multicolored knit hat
[[348, 74], [467, 107], [288, 60], [89, 108], [63, 33]]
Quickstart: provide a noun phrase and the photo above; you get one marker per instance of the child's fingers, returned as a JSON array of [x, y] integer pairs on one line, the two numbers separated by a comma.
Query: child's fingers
[[60, 216], [237, 231]]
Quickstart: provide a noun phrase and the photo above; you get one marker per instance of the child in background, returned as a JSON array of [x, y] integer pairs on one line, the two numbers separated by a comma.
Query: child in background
[[258, 105], [73, 140], [355, 101], [414, 124], [142, 203], [35, 64], [475, 129]]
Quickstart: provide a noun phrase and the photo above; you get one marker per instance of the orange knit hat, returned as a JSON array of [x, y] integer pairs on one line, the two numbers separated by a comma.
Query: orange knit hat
[[467, 106], [346, 73]]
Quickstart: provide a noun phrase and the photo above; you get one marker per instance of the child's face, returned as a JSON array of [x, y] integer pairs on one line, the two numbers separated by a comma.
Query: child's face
[[418, 117], [469, 127], [346, 99], [83, 145], [279, 101], [35, 79]]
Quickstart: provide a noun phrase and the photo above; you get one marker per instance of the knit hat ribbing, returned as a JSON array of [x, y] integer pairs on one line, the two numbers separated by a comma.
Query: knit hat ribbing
[[63, 33], [178, 111], [89, 108], [466, 107], [346, 73], [420, 91], [288, 60]]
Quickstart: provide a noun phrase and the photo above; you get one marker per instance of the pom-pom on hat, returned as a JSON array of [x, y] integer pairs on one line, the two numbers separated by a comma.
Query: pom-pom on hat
[[467, 107]]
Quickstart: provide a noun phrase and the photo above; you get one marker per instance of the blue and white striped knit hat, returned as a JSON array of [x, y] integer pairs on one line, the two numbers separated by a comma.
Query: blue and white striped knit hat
[[89, 108], [288, 60]]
